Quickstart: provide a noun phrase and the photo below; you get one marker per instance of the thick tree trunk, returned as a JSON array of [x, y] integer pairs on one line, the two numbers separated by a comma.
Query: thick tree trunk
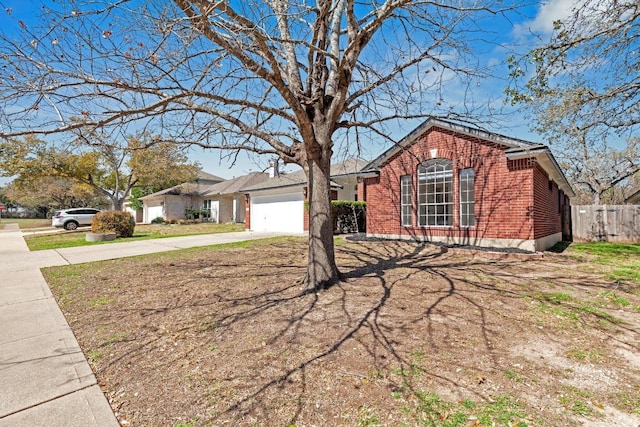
[[321, 268], [117, 203]]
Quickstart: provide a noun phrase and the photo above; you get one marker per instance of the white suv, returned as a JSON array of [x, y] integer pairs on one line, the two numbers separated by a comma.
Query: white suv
[[71, 219]]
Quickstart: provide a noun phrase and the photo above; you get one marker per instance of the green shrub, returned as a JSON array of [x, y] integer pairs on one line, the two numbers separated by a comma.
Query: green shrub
[[349, 216], [157, 220], [196, 213], [121, 223]]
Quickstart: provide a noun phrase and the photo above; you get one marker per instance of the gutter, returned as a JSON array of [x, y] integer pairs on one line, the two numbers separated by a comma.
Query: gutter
[[372, 173], [545, 158]]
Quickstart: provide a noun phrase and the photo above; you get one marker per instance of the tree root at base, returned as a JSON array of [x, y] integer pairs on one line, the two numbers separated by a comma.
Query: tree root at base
[[309, 287]]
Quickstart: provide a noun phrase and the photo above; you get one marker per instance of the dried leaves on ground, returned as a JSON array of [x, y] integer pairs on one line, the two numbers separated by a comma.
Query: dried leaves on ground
[[413, 335]]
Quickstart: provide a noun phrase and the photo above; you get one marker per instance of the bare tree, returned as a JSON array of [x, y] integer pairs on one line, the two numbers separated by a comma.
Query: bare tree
[[590, 62], [598, 171], [278, 77], [583, 88]]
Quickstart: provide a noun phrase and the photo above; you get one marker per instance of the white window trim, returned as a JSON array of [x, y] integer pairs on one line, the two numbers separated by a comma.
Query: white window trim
[[442, 177], [463, 200], [403, 188]]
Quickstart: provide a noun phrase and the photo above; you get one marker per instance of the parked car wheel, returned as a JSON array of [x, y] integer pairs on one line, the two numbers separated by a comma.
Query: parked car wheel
[[71, 225]]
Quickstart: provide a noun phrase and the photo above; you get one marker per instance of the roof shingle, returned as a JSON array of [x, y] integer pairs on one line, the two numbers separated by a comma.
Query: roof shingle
[[234, 185], [347, 167]]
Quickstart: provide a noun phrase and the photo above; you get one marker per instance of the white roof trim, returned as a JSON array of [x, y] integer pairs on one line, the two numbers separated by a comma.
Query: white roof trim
[[515, 148], [546, 160], [453, 127]]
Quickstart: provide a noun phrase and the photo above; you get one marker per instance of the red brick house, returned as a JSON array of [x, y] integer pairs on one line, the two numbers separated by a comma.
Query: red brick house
[[454, 184]]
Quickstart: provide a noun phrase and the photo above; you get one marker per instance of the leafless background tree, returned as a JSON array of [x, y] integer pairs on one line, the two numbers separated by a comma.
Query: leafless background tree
[[583, 89]]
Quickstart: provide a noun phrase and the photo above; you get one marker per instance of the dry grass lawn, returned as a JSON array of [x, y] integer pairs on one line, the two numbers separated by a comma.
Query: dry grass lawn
[[413, 336]]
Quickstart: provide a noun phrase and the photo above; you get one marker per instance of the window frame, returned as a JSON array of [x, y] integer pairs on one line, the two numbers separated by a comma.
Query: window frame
[[464, 191], [435, 207], [406, 200]]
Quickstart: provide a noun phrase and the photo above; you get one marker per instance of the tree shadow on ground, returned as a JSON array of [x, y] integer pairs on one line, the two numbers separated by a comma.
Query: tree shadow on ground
[[383, 267], [405, 317]]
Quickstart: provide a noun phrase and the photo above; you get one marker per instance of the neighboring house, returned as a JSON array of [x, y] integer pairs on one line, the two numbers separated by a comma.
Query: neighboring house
[[224, 200], [172, 203], [277, 204], [633, 199], [137, 215], [454, 184]]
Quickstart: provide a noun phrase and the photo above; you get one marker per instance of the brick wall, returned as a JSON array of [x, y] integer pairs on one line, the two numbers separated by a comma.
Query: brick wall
[[547, 209], [225, 209], [176, 205], [503, 189]]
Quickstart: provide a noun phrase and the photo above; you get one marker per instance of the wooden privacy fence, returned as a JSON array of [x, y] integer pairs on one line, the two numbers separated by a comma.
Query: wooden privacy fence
[[606, 223]]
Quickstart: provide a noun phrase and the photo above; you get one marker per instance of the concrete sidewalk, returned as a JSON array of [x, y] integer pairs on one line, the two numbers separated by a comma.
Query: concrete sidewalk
[[46, 380]]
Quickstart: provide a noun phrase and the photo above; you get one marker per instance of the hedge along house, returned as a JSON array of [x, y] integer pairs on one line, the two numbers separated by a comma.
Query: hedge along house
[[454, 184], [278, 204]]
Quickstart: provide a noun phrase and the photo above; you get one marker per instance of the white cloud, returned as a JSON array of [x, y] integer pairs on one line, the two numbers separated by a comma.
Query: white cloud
[[549, 12], [581, 15], [558, 10]]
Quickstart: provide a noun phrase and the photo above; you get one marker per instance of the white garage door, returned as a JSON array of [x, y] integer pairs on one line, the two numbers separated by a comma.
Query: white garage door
[[284, 212], [153, 212]]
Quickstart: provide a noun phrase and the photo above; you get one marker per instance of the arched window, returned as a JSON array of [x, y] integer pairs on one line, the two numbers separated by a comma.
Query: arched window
[[435, 193]]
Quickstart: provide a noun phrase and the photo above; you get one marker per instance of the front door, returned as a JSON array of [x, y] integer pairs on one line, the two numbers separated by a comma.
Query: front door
[[215, 210]]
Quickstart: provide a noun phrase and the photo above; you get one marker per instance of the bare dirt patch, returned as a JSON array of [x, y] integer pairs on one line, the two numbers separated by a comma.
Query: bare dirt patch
[[411, 336]]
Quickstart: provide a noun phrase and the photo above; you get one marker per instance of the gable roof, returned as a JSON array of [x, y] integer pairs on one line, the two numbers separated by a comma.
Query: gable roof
[[298, 178], [230, 186], [348, 167], [193, 188], [234, 185], [282, 180], [186, 188], [206, 176], [514, 148]]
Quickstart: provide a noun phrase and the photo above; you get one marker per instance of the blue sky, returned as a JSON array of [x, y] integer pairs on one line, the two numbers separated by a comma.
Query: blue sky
[[515, 34]]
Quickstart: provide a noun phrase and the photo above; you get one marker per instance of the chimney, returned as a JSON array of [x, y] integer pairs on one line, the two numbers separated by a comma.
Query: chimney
[[273, 168]]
